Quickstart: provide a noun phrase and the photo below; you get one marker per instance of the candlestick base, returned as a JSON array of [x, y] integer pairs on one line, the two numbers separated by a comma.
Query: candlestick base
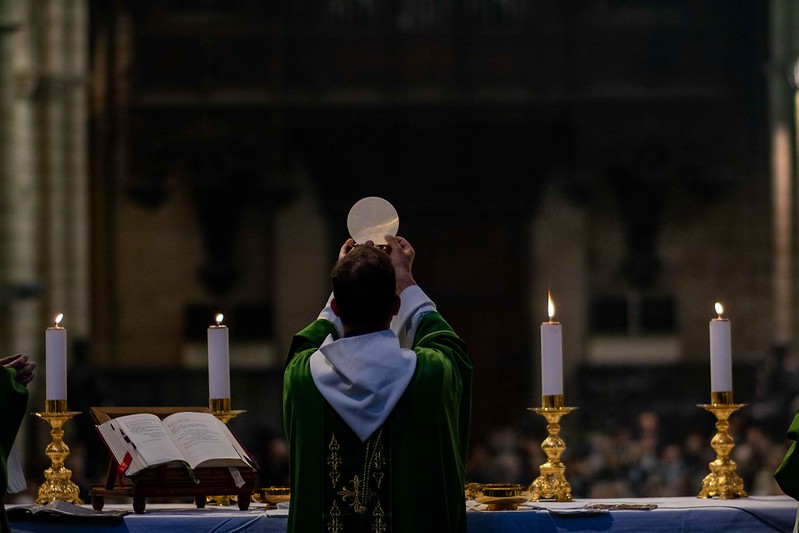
[[723, 482], [220, 408], [551, 484], [58, 483]]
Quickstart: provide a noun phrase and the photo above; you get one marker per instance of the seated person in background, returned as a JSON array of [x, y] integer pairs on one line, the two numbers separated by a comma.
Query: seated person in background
[[16, 371], [377, 432]]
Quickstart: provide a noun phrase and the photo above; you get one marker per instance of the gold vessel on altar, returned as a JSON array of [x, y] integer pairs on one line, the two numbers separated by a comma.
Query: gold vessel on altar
[[501, 496], [272, 495]]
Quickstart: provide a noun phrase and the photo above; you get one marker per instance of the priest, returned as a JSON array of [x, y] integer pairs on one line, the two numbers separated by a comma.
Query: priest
[[376, 404], [16, 371]]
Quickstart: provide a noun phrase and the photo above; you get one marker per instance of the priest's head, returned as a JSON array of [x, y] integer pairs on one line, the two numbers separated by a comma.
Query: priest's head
[[364, 290]]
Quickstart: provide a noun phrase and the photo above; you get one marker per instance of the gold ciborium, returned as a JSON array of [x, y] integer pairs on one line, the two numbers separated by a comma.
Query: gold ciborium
[[501, 496], [220, 408], [272, 496], [58, 483], [723, 482], [551, 484]]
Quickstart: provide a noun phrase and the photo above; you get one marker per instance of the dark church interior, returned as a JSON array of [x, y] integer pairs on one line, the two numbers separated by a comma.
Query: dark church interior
[[623, 154]]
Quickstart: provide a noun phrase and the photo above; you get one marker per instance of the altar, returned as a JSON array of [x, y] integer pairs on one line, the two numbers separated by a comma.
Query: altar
[[683, 514]]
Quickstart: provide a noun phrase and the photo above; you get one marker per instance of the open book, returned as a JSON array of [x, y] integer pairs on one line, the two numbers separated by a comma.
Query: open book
[[57, 510], [196, 439]]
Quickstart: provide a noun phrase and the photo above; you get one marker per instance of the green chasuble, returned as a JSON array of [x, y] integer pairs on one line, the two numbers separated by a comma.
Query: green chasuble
[[409, 475], [13, 401], [787, 473]]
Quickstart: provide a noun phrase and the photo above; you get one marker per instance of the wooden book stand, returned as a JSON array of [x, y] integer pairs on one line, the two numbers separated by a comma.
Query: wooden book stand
[[162, 481]]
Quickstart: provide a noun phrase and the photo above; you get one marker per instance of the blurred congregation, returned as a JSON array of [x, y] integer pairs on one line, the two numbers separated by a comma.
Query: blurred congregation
[[162, 161]]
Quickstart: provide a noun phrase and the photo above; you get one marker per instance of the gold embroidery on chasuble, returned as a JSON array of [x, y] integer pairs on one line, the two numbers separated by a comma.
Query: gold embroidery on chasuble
[[357, 473], [378, 463], [357, 495], [334, 525], [333, 460], [378, 525]]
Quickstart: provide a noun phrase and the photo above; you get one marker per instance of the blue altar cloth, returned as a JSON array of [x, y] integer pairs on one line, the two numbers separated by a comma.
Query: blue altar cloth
[[745, 515], [687, 514]]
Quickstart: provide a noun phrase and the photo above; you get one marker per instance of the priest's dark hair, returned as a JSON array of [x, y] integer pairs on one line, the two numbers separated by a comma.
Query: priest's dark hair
[[364, 286]]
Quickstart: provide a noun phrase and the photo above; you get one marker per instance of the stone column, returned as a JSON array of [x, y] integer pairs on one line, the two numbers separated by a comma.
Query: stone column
[[782, 172], [793, 32], [52, 155], [19, 217], [76, 175], [8, 26]]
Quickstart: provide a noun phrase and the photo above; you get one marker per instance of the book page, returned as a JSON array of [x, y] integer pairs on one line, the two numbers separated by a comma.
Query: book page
[[113, 440], [203, 439], [146, 433]]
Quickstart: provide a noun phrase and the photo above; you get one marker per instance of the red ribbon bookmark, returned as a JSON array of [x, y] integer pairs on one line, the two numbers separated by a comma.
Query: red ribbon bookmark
[[123, 466]]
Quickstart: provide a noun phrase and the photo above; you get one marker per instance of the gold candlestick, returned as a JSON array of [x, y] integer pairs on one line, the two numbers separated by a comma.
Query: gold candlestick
[[551, 484], [58, 483], [220, 407], [723, 482]]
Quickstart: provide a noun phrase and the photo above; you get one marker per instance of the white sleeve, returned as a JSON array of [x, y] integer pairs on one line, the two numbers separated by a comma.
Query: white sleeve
[[16, 477], [414, 304], [328, 314]]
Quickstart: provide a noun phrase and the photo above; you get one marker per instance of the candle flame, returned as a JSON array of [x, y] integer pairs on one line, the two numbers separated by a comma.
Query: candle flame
[[219, 318], [59, 317], [719, 308], [550, 306]]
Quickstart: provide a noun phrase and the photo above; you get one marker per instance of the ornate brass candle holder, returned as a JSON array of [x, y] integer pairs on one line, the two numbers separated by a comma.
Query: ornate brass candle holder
[[58, 483], [220, 408], [723, 482], [551, 484]]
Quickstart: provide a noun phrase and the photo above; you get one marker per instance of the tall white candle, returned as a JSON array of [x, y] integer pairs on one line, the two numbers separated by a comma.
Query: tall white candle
[[56, 361], [218, 360], [551, 354], [720, 353]]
